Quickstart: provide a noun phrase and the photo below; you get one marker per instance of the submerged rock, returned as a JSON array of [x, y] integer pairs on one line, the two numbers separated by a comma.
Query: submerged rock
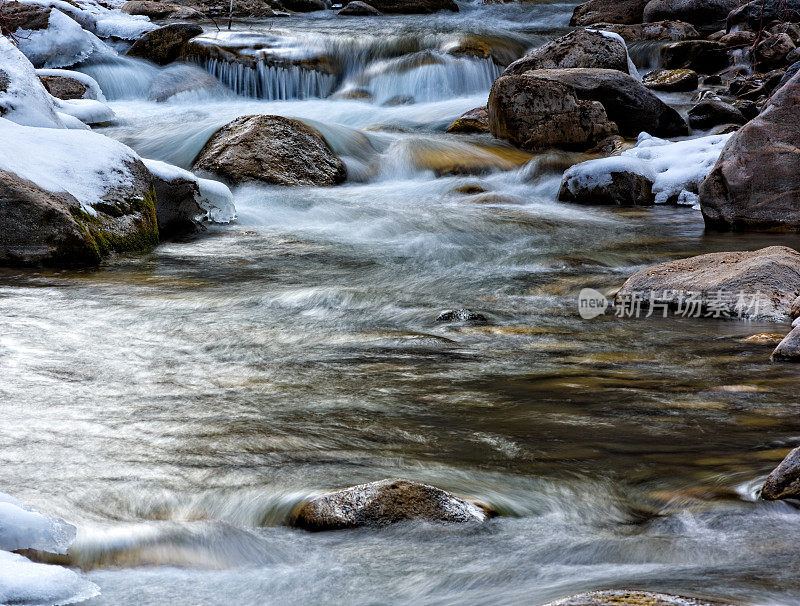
[[537, 113], [165, 44], [623, 597], [740, 193], [464, 316], [608, 11], [631, 106], [788, 350], [581, 48], [273, 150], [385, 502], [671, 80], [748, 284], [473, 121], [359, 9], [784, 481]]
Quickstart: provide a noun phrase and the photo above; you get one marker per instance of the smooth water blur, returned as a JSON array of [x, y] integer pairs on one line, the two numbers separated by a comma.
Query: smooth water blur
[[175, 406]]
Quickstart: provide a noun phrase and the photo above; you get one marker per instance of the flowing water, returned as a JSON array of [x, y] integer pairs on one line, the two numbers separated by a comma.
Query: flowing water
[[175, 406]]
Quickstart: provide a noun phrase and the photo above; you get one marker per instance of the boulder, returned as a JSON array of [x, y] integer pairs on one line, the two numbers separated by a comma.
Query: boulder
[[385, 502], [763, 13], [160, 10], [580, 48], [747, 284], [304, 6], [621, 187], [165, 44], [788, 350], [784, 481], [461, 316], [792, 29], [748, 109], [667, 31], [608, 11], [23, 16], [708, 114], [739, 39], [64, 87], [626, 101], [623, 597], [772, 51], [177, 210], [706, 15], [671, 80], [795, 312], [739, 193], [704, 56], [539, 113], [271, 149], [359, 9], [414, 7], [473, 121]]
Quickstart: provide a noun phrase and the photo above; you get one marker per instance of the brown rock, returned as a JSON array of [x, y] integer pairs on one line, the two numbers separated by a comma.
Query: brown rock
[[707, 15], [784, 481], [165, 44], [739, 39], [668, 31], [64, 87], [474, 121], [623, 597], [359, 9], [385, 502], [537, 113], [671, 80], [704, 56], [795, 313], [740, 193], [580, 48], [770, 275], [772, 51], [608, 11], [271, 149], [30, 17]]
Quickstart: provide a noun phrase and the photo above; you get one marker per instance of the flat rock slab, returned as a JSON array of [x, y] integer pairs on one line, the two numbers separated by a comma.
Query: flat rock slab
[[386, 502], [770, 277], [632, 598]]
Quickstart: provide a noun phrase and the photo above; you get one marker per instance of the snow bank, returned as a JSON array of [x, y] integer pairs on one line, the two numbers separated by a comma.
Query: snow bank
[[64, 42], [82, 163], [93, 90], [675, 168], [215, 197], [88, 111], [24, 528], [25, 582]]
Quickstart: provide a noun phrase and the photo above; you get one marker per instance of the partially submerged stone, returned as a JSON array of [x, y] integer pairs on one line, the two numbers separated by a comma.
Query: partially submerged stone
[[463, 316], [748, 284], [580, 48], [359, 9], [473, 121], [623, 597], [165, 44], [386, 502], [788, 350], [784, 481], [273, 150], [714, 112]]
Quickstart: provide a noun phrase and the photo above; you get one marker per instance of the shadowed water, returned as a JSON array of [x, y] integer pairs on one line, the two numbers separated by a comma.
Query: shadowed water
[[175, 406]]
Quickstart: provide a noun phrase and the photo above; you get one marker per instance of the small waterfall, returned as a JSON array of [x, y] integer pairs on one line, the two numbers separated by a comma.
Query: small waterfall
[[268, 81]]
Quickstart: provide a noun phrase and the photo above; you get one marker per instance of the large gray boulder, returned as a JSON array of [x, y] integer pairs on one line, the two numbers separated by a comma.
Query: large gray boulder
[[608, 11], [626, 101], [705, 15], [386, 502], [667, 31], [784, 481], [763, 13], [748, 284], [538, 113], [273, 150], [755, 184], [788, 350], [165, 44], [580, 48]]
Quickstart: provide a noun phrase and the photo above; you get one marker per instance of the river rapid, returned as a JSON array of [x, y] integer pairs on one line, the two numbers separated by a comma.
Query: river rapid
[[175, 406]]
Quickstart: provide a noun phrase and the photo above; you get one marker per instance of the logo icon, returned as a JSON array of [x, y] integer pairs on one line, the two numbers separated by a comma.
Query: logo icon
[[591, 303]]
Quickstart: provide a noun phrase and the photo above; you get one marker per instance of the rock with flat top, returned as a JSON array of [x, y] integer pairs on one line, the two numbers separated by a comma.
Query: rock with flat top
[[623, 597]]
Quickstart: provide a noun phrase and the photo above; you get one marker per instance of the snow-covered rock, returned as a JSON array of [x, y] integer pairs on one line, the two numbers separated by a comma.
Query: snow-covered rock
[[675, 169], [88, 111], [24, 528], [63, 43], [25, 582], [91, 87]]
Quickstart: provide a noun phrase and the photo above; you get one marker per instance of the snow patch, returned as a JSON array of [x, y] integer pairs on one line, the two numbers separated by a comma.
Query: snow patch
[[675, 168], [25, 582], [215, 198], [24, 528], [87, 111]]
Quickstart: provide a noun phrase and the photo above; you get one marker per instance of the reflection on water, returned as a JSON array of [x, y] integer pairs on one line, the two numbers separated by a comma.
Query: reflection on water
[[175, 406]]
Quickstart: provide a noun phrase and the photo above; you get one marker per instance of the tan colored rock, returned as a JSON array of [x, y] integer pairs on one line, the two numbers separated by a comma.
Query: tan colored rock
[[671, 80], [622, 597], [386, 502], [473, 121], [64, 87], [273, 150], [769, 276]]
